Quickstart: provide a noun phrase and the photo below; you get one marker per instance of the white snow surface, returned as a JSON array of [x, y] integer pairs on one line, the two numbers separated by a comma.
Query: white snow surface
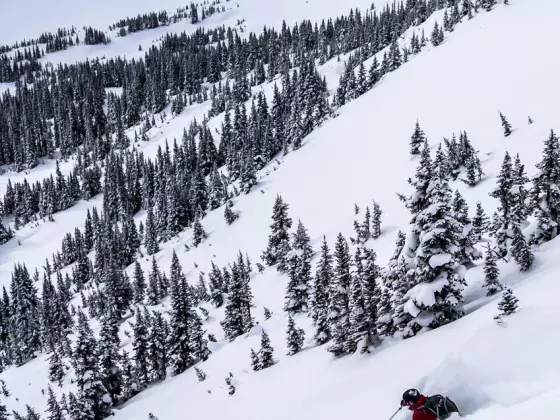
[[489, 64]]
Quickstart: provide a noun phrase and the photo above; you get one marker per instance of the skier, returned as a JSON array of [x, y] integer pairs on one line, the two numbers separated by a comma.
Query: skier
[[435, 407]]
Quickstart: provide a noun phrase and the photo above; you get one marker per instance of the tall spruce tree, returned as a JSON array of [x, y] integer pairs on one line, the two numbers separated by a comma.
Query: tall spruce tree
[[520, 251], [157, 347], [266, 353], [491, 273], [93, 396], [179, 340], [339, 301], [53, 408], [480, 222], [279, 239], [299, 271], [294, 337], [504, 193], [545, 194], [437, 255], [140, 345], [109, 343], [139, 284], [324, 276]]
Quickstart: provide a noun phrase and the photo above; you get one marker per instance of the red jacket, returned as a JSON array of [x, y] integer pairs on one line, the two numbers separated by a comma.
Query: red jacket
[[421, 413]]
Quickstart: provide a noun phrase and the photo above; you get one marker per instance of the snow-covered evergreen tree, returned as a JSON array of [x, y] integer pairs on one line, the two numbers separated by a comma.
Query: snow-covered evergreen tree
[[437, 257], [491, 273], [109, 343], [199, 234], [508, 305], [229, 215], [480, 222], [338, 316], [200, 374], [53, 408], [140, 346], [376, 221], [139, 283], [466, 234], [279, 239], [504, 193], [357, 319], [545, 194], [506, 125], [417, 140], [255, 362], [266, 353], [93, 397], [324, 277], [158, 347], [520, 250], [237, 318], [294, 337], [299, 271]]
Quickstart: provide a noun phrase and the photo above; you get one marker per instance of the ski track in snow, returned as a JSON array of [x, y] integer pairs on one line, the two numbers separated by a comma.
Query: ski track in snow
[[487, 65]]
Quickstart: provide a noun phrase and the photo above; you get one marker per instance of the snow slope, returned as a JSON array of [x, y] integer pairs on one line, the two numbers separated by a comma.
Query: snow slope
[[486, 65]]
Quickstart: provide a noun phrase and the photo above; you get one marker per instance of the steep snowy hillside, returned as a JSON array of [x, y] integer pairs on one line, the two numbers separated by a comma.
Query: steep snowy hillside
[[254, 14], [487, 65], [42, 17], [492, 371]]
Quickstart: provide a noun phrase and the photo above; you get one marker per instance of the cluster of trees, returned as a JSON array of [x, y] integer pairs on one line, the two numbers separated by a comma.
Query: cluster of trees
[[180, 65], [12, 69], [43, 199], [156, 19], [61, 40], [141, 22], [354, 303], [95, 36], [341, 299], [105, 375]]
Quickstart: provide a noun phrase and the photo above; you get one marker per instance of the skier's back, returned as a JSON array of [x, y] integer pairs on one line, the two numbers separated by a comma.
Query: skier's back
[[435, 407]]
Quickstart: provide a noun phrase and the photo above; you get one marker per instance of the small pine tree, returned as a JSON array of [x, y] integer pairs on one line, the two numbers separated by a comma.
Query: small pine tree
[[266, 354], [294, 337], [5, 391], [200, 374], [255, 363], [139, 284], [436, 37], [520, 250], [491, 272], [199, 234], [376, 221], [321, 295], [480, 222], [506, 125], [507, 305], [279, 238], [229, 382], [267, 314], [230, 215], [417, 139]]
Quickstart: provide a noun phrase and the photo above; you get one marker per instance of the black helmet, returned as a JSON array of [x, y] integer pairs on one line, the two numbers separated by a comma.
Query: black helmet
[[410, 397]]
